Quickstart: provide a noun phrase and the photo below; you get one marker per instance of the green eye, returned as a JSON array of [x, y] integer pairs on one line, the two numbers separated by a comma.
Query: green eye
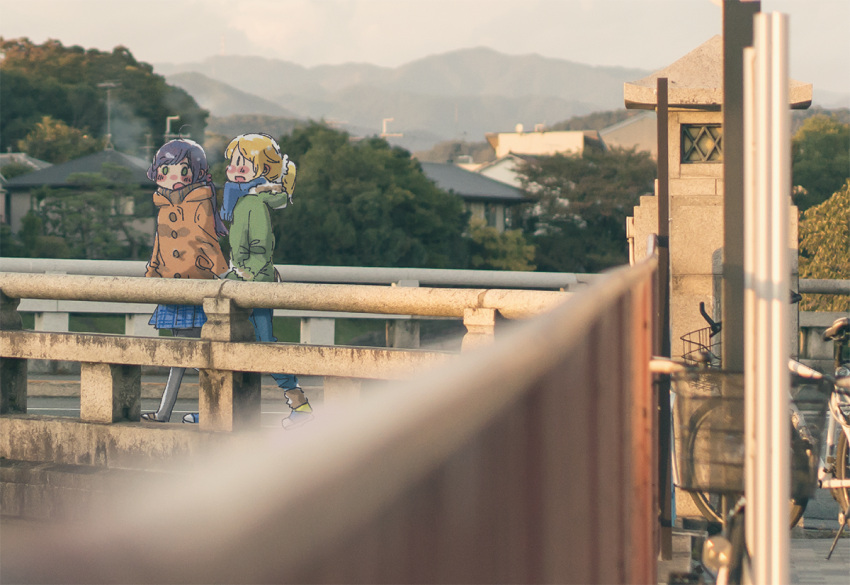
[[185, 171], [164, 170]]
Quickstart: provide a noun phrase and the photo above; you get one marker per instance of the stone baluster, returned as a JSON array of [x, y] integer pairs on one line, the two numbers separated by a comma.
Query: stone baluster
[[110, 392], [13, 372], [480, 327], [228, 401]]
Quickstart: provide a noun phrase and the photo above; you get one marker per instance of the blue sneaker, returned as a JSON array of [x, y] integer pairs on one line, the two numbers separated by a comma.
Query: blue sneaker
[[192, 418], [298, 417]]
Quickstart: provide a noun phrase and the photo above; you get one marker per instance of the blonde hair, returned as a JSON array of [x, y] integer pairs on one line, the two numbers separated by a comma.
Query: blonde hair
[[263, 152]]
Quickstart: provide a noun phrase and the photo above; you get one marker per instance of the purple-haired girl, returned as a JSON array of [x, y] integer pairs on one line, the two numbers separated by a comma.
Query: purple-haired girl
[[185, 243]]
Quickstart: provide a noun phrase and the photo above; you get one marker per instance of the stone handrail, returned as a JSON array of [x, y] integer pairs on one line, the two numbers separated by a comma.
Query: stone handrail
[[110, 365], [317, 297]]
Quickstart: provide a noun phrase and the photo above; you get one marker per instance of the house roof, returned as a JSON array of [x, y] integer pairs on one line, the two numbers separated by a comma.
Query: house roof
[[57, 175], [512, 157], [469, 185], [7, 158]]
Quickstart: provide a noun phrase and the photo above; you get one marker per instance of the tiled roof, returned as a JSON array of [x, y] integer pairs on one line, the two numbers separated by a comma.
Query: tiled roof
[[8, 158], [469, 185], [57, 175]]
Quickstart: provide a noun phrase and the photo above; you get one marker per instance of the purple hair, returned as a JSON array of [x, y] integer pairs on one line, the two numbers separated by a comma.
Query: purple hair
[[175, 152], [182, 149]]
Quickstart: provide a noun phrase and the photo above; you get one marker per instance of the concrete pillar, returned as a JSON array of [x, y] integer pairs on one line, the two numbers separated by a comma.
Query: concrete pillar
[[228, 401], [110, 392], [13, 372], [403, 333], [317, 331], [57, 322], [137, 325], [480, 326]]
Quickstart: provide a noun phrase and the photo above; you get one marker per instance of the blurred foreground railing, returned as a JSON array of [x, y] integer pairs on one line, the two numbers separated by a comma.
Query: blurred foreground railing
[[529, 460]]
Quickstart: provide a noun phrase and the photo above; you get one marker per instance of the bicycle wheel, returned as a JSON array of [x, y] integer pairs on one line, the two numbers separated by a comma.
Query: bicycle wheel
[[842, 470], [710, 503], [709, 506]]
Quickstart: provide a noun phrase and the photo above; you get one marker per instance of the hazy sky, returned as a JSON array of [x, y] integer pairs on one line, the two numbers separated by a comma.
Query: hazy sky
[[648, 34]]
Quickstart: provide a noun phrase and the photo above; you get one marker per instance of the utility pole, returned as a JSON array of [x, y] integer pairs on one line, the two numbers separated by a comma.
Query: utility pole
[[109, 85], [168, 134]]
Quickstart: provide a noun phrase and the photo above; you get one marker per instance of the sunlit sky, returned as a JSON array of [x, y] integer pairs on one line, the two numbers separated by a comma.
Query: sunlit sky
[[646, 34]]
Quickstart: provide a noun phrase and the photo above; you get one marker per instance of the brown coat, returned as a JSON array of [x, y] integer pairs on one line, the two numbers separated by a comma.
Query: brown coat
[[185, 244]]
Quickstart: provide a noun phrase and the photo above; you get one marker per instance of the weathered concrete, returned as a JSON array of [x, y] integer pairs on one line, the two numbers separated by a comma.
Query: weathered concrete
[[59, 491], [126, 445], [312, 360], [113, 392]]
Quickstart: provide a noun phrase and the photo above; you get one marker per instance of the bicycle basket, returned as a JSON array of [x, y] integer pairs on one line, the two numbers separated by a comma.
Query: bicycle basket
[[709, 417], [701, 348]]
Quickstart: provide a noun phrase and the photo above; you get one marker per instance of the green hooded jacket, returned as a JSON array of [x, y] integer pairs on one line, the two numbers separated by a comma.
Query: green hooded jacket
[[251, 237]]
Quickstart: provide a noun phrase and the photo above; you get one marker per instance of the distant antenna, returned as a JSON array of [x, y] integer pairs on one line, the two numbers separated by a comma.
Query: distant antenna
[[384, 133]]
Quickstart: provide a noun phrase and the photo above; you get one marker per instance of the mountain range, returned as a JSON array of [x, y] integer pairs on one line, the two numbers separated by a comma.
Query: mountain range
[[460, 95]]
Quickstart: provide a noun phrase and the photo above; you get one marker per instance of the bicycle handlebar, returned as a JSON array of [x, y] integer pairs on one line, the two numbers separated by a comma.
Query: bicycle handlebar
[[714, 325], [839, 328]]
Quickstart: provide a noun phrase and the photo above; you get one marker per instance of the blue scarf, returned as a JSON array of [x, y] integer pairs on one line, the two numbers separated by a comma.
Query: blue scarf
[[233, 192]]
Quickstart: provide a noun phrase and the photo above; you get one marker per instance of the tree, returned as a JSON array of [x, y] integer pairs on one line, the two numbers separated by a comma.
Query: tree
[[64, 83], [595, 121], [92, 220], [365, 203], [494, 250], [825, 248], [820, 159], [577, 220], [15, 169], [56, 142]]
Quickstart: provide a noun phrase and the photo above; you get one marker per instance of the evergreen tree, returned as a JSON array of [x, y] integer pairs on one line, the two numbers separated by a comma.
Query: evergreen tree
[[825, 248], [820, 159], [65, 84], [365, 203], [577, 220]]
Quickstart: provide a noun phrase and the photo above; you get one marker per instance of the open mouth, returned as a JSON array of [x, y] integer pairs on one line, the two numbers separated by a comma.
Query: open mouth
[[238, 179], [178, 185]]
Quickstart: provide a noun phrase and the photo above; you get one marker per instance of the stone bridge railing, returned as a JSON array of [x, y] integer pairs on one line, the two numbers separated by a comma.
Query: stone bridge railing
[[229, 360]]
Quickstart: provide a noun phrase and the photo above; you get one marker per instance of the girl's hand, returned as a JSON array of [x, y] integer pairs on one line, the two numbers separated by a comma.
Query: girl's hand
[[269, 188]]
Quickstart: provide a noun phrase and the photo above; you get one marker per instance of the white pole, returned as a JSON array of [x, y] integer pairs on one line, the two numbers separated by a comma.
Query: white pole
[[767, 279]]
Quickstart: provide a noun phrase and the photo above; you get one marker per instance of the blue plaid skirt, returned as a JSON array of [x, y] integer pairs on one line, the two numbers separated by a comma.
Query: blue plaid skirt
[[178, 316]]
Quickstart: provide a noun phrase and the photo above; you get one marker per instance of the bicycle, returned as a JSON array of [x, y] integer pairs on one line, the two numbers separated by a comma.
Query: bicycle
[[705, 414], [701, 348], [709, 411]]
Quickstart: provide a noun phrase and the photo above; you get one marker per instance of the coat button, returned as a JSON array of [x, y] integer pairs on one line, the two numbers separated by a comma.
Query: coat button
[[174, 234], [176, 253], [172, 216]]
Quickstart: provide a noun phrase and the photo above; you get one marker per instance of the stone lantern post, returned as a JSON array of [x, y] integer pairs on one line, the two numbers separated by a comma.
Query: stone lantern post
[[695, 157]]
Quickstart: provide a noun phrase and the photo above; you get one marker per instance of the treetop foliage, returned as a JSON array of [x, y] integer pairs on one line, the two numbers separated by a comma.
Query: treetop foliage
[[820, 154], [62, 82], [825, 248], [364, 203], [580, 202]]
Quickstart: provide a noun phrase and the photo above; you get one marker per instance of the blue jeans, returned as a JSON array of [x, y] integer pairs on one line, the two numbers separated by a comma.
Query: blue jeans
[[261, 319]]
